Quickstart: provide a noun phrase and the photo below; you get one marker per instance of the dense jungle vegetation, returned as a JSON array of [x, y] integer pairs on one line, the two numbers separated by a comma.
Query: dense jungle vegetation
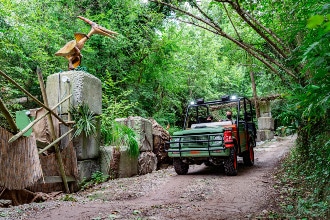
[[169, 53]]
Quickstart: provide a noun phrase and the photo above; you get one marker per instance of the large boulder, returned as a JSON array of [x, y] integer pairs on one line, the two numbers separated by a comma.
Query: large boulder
[[160, 137], [124, 166], [143, 129], [86, 168], [147, 163]]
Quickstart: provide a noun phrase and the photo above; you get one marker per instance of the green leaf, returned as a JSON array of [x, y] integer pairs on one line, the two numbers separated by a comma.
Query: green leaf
[[327, 26], [315, 21]]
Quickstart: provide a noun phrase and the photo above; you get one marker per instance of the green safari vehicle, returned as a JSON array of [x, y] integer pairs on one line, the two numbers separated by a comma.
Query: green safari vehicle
[[216, 142]]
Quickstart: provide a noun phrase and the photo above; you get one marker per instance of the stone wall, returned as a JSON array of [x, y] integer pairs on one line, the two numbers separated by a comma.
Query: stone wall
[[87, 89], [265, 122]]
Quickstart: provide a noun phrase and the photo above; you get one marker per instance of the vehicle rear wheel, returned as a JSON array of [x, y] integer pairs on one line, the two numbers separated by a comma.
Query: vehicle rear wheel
[[248, 157], [180, 167], [230, 164]]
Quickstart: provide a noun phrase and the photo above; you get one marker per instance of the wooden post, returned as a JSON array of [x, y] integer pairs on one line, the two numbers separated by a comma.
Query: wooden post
[[55, 142], [52, 131]]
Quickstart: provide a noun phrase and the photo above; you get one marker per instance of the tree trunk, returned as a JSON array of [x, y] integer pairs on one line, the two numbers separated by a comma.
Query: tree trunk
[[255, 96]]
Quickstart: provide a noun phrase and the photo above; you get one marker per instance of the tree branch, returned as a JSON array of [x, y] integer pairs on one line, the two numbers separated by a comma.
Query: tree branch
[[242, 14], [262, 57], [232, 24]]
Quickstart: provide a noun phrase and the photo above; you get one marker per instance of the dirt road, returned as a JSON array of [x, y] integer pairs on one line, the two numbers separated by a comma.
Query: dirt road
[[204, 193]]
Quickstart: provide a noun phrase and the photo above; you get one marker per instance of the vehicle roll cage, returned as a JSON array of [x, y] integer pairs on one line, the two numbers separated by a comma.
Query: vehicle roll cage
[[241, 103]]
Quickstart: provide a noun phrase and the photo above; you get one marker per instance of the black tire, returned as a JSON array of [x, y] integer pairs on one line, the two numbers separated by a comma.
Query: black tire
[[248, 156], [208, 164], [180, 167], [230, 164]]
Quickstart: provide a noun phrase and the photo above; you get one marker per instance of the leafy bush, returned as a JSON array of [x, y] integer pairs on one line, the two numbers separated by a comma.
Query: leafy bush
[[97, 178], [305, 182]]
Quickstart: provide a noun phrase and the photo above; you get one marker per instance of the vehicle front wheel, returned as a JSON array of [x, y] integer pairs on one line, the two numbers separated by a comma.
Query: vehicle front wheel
[[180, 167], [230, 164]]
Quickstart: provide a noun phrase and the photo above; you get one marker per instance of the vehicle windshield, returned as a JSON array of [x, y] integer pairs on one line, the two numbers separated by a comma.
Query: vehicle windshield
[[214, 112]]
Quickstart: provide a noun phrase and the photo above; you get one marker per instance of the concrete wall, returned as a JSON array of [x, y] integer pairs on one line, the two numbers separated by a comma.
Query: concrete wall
[[88, 89], [147, 160]]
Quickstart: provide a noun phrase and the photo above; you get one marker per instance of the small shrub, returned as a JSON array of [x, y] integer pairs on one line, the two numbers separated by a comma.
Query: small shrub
[[97, 178], [70, 198]]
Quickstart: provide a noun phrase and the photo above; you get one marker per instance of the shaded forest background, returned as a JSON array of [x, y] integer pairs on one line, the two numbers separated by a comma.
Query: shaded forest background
[[164, 57]]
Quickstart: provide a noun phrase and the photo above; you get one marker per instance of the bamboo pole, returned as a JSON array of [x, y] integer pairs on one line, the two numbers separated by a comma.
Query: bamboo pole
[[55, 142], [52, 131], [19, 134], [32, 97], [8, 116]]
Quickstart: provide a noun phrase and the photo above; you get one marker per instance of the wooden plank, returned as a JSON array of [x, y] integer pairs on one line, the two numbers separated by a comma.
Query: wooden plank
[[56, 179]]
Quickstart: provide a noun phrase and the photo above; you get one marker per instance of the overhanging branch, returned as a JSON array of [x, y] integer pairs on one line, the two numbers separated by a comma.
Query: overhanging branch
[[262, 57]]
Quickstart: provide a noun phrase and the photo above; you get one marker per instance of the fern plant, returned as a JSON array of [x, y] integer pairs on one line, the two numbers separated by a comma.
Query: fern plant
[[85, 120]]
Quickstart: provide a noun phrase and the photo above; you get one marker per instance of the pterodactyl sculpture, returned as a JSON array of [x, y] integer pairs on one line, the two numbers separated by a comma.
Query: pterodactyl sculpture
[[72, 49]]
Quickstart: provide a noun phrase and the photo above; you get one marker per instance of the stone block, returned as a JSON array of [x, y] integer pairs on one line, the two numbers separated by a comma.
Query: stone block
[[83, 86], [86, 168], [266, 123], [85, 147], [266, 114], [143, 129], [265, 108], [264, 135], [127, 164], [147, 163]]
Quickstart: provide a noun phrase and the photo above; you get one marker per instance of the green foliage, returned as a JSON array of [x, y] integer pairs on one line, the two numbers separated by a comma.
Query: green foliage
[[305, 181], [69, 198], [85, 120], [120, 135], [97, 178], [156, 66]]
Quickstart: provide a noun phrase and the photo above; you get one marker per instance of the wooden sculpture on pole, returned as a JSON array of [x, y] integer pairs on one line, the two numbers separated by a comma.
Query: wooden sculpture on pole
[[72, 49]]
